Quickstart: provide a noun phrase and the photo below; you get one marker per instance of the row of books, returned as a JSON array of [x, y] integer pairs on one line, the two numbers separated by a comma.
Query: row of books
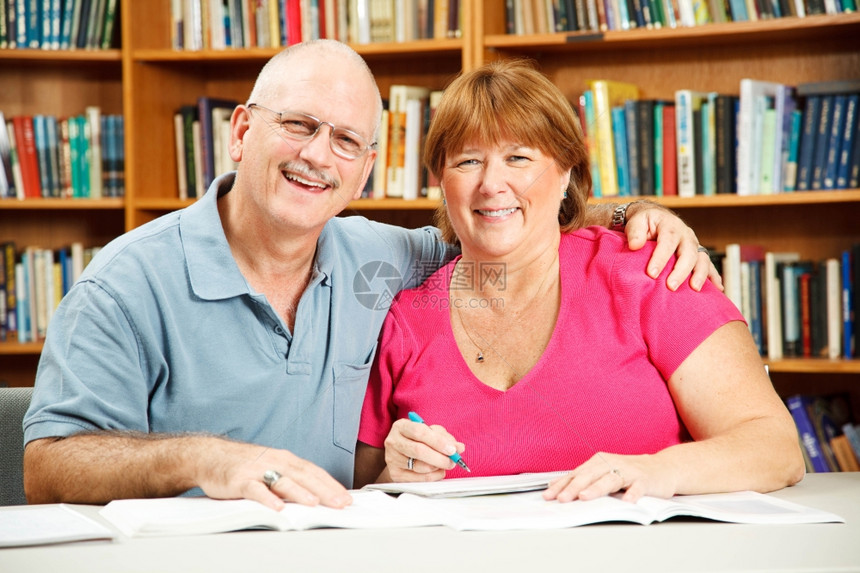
[[546, 16], [43, 156], [202, 139], [222, 24], [32, 283], [202, 135], [59, 24], [828, 436], [795, 307], [772, 138], [399, 171]]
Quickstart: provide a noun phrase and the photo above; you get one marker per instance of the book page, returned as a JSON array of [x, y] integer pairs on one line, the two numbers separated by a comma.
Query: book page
[[41, 525], [469, 486]]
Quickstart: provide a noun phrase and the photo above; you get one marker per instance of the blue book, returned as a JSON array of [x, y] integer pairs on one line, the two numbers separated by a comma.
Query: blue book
[[632, 146], [21, 21], [120, 158], [658, 148], [738, 9], [834, 142], [789, 176], [66, 23], [822, 140], [797, 405], [811, 118], [40, 133], [34, 23], [847, 307], [619, 131], [849, 135], [785, 104], [755, 318]]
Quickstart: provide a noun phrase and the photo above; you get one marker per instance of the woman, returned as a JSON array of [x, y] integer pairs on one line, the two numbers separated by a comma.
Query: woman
[[544, 346]]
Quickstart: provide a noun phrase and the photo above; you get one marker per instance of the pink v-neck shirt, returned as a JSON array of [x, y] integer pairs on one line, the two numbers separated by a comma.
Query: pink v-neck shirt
[[599, 386]]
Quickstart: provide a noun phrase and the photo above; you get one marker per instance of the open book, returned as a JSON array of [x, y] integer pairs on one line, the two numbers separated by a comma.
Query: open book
[[375, 509], [43, 524], [469, 486]]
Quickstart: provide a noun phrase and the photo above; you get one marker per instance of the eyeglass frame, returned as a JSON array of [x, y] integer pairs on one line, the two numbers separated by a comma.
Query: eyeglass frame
[[319, 123]]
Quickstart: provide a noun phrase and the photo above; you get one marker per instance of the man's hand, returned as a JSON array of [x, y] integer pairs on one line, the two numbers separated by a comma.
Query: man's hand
[[648, 221], [158, 465], [230, 470]]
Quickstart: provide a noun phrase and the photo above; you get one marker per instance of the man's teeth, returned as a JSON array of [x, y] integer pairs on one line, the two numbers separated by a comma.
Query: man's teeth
[[497, 213], [298, 179]]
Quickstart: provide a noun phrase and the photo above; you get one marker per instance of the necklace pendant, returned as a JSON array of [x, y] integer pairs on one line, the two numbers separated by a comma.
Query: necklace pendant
[[480, 358]]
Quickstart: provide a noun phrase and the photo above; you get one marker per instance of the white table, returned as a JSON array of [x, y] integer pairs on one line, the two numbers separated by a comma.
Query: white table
[[675, 545]]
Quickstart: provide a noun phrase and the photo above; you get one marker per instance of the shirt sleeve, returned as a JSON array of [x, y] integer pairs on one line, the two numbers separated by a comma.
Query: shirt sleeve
[[672, 323], [87, 372], [379, 412]]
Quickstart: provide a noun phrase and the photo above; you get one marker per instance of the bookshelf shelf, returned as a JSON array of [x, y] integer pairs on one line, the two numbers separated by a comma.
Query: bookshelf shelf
[[28, 55], [731, 200], [62, 204], [812, 27]]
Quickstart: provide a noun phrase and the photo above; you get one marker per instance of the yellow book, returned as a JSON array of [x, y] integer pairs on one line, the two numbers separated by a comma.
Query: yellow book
[[608, 94]]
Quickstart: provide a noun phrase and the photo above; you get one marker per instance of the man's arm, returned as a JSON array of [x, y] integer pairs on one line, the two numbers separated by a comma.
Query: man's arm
[[645, 221], [98, 467]]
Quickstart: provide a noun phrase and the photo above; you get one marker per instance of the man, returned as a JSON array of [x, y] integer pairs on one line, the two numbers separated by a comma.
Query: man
[[225, 346]]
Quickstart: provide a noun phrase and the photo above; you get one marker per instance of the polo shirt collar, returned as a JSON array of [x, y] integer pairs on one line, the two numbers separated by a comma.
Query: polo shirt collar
[[212, 269]]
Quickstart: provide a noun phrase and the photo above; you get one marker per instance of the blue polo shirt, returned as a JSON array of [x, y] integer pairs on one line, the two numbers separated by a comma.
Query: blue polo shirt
[[163, 334]]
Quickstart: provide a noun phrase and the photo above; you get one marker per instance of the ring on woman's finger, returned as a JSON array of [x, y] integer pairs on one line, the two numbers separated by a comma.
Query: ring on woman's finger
[[271, 477], [702, 249], [409, 463], [618, 473]]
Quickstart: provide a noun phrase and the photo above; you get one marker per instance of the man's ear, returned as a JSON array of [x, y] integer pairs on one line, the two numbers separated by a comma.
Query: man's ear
[[239, 124], [369, 162]]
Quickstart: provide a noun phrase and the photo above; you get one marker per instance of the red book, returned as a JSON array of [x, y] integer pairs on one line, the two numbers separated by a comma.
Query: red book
[[294, 22], [670, 155], [25, 139], [805, 315]]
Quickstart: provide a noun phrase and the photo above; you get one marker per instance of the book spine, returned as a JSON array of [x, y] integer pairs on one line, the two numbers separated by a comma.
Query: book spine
[[834, 309], [670, 152], [848, 141], [847, 307], [658, 148], [789, 177], [822, 139], [619, 129], [797, 407], [811, 118], [684, 140], [645, 125], [632, 131], [836, 129]]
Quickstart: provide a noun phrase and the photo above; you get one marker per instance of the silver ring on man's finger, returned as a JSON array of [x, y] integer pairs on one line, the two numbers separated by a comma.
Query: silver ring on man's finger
[[409, 463], [271, 477]]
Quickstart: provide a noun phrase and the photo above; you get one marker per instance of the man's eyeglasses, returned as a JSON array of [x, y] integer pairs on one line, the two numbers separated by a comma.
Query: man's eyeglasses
[[301, 126]]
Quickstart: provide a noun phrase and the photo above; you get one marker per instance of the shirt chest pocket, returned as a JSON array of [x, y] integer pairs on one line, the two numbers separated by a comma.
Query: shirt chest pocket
[[350, 385]]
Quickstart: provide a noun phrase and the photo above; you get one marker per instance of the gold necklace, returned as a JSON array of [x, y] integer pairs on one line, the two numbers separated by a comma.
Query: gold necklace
[[480, 356]]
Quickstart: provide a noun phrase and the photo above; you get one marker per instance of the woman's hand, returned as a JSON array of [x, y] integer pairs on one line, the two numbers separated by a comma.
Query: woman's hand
[[604, 474], [427, 446]]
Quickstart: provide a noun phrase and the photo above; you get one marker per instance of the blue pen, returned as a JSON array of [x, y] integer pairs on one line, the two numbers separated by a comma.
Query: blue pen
[[455, 457]]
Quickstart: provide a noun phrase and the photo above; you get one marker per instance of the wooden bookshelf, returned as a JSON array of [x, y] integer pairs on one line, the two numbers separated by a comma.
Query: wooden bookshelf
[[714, 57], [147, 81]]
